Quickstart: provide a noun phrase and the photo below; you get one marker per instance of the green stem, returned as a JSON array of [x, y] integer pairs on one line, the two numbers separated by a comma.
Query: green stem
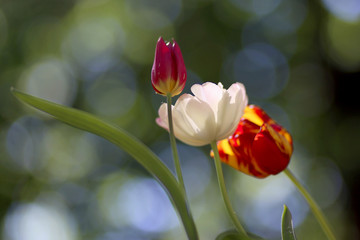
[[180, 178], [313, 206], [173, 144], [225, 196]]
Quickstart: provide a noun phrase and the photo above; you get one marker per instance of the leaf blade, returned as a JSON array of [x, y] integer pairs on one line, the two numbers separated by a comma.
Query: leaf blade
[[287, 228], [124, 140]]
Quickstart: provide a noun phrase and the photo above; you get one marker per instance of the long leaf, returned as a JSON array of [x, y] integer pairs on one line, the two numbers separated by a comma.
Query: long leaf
[[125, 141], [287, 228]]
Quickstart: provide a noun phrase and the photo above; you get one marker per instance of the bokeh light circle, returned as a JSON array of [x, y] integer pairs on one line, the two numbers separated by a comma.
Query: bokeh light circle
[[153, 14], [257, 7], [140, 203], [24, 142], [51, 79], [195, 181], [146, 206], [341, 41], [113, 92], [262, 69], [68, 154], [262, 207], [39, 221], [347, 10], [94, 38]]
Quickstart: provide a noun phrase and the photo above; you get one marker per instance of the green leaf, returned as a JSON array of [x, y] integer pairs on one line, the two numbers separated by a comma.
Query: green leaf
[[125, 141], [287, 228], [235, 235]]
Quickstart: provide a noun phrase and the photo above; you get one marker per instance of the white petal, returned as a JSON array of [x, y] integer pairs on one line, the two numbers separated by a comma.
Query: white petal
[[179, 114], [203, 117], [232, 111], [193, 119], [182, 135], [225, 114], [235, 88], [238, 96], [162, 120], [209, 92]]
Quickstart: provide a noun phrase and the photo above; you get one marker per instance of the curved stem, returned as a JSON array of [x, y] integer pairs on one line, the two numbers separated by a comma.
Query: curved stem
[[313, 205], [173, 144], [225, 196]]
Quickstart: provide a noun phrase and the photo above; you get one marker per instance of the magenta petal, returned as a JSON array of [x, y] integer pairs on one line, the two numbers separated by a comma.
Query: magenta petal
[[162, 67], [181, 70]]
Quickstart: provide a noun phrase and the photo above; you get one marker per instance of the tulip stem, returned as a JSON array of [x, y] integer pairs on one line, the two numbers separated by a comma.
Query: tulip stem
[[313, 205], [173, 144], [225, 196], [175, 153]]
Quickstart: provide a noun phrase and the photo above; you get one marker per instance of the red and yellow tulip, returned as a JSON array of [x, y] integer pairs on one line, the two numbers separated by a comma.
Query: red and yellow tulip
[[259, 146]]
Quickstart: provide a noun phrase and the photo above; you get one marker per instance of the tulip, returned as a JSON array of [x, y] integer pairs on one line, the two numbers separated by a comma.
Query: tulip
[[210, 115], [168, 74], [259, 146]]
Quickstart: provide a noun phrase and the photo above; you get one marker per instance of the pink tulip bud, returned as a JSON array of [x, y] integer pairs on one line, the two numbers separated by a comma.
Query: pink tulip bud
[[168, 74]]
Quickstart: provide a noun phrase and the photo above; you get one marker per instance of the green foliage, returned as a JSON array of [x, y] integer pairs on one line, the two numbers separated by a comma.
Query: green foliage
[[125, 141], [287, 228]]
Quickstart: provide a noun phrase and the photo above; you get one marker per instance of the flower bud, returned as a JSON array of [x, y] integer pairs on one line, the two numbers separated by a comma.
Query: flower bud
[[259, 146], [168, 74]]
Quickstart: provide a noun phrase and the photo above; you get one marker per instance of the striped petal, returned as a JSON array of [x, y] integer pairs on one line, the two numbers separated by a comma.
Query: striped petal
[[259, 146]]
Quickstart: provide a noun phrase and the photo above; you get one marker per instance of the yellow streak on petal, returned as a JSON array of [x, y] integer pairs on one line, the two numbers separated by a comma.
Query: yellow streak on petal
[[286, 135], [251, 115], [228, 156], [282, 140]]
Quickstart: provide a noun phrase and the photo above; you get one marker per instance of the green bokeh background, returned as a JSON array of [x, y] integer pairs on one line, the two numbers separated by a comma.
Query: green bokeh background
[[299, 60]]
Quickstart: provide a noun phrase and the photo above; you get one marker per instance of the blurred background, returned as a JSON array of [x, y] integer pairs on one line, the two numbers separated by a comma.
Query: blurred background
[[299, 60]]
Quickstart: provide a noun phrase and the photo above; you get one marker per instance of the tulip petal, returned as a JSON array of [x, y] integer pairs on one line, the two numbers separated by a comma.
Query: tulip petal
[[194, 117], [181, 130], [242, 142], [271, 150], [251, 115], [236, 152], [209, 92], [161, 69], [162, 120], [225, 116], [282, 131], [231, 108], [181, 69], [234, 90]]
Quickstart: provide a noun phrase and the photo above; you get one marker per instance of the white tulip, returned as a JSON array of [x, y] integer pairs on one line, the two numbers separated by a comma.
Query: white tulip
[[211, 115]]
